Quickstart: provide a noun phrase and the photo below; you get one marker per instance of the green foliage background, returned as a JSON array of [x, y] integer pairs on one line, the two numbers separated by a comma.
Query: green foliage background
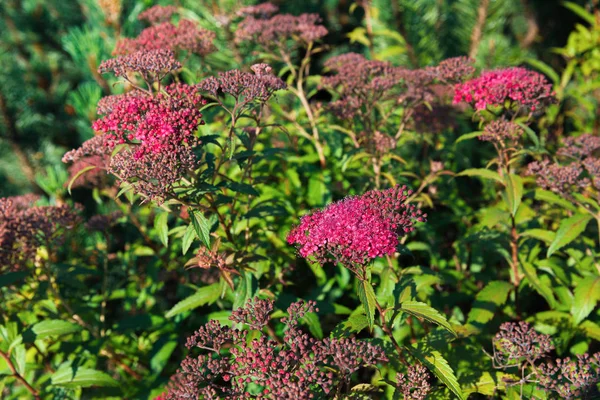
[[130, 284]]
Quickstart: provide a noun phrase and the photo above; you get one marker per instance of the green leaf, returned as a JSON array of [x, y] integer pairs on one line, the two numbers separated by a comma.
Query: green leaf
[[422, 310], [202, 227], [44, 329], [356, 322], [532, 278], [243, 188], [553, 198], [591, 329], [488, 383], [162, 228], [204, 295], [18, 356], [539, 234], [493, 296], [245, 290], [314, 325], [514, 192], [587, 294], [437, 364], [482, 173], [188, 238], [569, 230], [11, 277], [161, 352], [78, 174], [544, 68], [366, 294], [73, 377], [580, 11], [468, 136]]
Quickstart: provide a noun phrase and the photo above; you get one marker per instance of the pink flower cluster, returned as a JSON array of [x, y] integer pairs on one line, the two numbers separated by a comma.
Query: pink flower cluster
[[154, 123], [526, 88], [357, 229], [186, 36]]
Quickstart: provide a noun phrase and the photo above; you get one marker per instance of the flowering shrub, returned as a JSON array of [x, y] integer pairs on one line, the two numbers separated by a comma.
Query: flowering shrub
[[265, 203]]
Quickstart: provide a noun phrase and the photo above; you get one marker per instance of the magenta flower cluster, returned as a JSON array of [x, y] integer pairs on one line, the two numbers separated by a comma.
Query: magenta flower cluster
[[526, 88], [357, 229], [155, 124]]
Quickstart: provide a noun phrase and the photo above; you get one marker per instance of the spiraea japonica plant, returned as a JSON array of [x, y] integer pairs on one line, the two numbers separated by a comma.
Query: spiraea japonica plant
[[274, 201]]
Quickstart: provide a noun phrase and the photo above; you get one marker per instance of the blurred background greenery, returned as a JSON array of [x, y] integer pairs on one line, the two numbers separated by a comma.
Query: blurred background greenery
[[50, 49]]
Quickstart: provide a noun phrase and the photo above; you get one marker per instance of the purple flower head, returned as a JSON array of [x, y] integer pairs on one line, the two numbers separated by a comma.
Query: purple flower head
[[518, 342], [561, 179], [186, 36], [526, 88], [501, 131], [275, 31], [580, 147], [263, 10], [153, 65], [25, 227], [571, 379], [256, 313], [414, 384], [157, 14], [357, 229], [244, 87]]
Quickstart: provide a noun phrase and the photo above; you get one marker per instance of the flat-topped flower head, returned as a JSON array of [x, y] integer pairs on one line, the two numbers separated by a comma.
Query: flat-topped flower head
[[501, 131], [157, 14], [517, 342], [153, 65], [271, 32], [355, 230], [580, 147], [561, 179], [527, 89], [244, 87], [263, 10], [185, 36]]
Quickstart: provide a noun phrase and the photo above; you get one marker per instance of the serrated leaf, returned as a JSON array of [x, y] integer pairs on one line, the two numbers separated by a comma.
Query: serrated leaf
[[188, 238], [568, 231], [437, 364], [162, 228], [587, 294], [422, 310], [73, 377], [468, 136], [493, 296], [514, 192], [202, 227], [482, 173], [204, 295], [48, 328], [366, 294]]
